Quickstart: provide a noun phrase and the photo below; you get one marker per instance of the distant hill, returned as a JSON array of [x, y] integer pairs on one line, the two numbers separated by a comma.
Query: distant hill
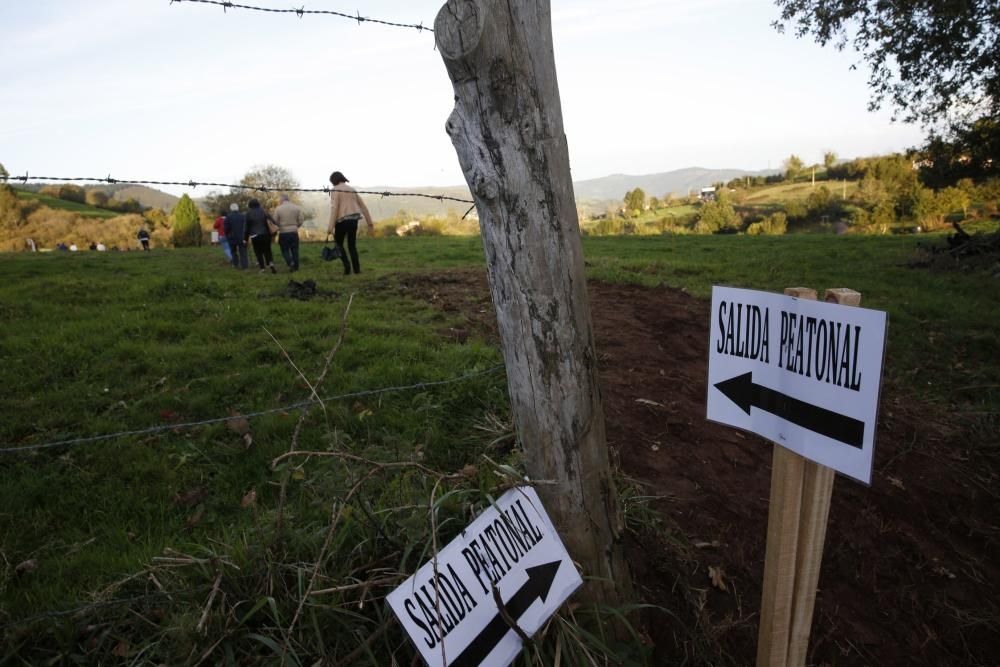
[[679, 182], [148, 197], [144, 195], [592, 195], [317, 204], [63, 205]]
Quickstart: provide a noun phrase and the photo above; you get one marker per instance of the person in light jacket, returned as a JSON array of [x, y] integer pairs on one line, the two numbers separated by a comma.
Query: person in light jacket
[[346, 210], [289, 218]]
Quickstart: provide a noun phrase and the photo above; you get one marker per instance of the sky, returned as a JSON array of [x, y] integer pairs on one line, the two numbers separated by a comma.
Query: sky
[[148, 90]]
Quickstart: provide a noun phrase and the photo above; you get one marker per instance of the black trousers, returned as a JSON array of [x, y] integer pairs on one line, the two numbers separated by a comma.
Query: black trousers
[[262, 250], [348, 229]]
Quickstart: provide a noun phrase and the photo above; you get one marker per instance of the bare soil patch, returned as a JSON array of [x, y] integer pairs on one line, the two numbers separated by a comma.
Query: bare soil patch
[[911, 566]]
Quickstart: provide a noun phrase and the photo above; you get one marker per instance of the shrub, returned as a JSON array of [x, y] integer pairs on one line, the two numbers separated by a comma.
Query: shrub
[[187, 223], [774, 224]]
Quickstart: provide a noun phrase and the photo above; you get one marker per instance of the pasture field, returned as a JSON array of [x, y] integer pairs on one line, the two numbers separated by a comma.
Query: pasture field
[[84, 210], [783, 193], [180, 544]]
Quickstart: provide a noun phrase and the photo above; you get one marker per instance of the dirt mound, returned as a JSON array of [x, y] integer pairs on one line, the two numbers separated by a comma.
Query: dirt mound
[[911, 566]]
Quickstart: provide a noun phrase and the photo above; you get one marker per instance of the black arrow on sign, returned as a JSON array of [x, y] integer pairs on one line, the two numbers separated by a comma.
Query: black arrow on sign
[[743, 392], [539, 582]]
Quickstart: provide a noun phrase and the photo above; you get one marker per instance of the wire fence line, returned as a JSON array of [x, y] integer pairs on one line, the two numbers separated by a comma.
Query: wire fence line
[[302, 11], [163, 595], [249, 415], [194, 184]]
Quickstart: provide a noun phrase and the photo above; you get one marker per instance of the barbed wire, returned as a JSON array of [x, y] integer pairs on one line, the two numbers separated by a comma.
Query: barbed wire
[[98, 605], [302, 11], [248, 415], [194, 184]]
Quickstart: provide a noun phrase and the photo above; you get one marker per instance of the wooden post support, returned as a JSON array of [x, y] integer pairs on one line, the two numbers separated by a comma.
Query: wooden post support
[[507, 129], [799, 509], [782, 545], [817, 491]]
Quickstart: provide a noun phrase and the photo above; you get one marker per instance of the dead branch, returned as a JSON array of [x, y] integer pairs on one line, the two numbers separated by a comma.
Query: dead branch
[[208, 605]]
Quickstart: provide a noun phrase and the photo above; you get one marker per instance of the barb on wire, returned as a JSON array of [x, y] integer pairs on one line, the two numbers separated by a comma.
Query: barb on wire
[[249, 415], [257, 188], [300, 11]]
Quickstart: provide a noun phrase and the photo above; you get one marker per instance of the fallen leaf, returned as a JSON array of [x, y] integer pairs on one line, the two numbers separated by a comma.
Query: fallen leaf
[[248, 439], [26, 567], [897, 482], [470, 471], [250, 499], [194, 519], [192, 497], [120, 649], [239, 425], [298, 474], [718, 577]]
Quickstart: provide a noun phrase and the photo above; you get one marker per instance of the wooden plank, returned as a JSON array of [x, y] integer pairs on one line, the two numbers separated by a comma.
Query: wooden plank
[[782, 545], [817, 492]]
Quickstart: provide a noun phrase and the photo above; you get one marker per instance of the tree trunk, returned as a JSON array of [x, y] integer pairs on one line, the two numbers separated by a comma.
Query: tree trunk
[[507, 130]]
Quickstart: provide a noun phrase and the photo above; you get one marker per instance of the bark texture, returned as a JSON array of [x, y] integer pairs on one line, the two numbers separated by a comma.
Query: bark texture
[[508, 132]]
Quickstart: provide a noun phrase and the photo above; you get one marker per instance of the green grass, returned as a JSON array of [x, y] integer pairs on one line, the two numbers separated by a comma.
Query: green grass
[[84, 210], [100, 343], [784, 193]]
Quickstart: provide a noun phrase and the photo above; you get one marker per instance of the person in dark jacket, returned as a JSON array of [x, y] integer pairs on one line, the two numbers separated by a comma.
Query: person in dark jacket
[[260, 235], [143, 237], [235, 226]]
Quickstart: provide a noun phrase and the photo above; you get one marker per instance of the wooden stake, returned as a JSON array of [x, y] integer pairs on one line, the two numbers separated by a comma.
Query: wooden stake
[[817, 491], [779, 561], [782, 545]]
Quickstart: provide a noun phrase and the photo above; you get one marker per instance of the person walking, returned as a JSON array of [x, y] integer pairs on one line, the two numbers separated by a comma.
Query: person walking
[[346, 209], [289, 218], [143, 237], [235, 226], [259, 234], [219, 231]]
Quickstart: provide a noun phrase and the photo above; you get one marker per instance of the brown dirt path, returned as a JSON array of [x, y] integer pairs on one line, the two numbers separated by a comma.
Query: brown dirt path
[[911, 568]]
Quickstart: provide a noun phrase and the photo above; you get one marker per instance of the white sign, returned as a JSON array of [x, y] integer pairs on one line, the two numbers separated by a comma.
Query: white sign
[[511, 551], [802, 373]]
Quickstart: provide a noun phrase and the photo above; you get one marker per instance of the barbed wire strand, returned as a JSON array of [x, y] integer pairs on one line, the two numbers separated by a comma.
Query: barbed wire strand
[[248, 415], [302, 11], [255, 188], [98, 605]]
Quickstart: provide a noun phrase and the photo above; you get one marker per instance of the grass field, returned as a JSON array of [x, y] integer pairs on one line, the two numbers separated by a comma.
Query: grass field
[[103, 343], [63, 205], [784, 193]]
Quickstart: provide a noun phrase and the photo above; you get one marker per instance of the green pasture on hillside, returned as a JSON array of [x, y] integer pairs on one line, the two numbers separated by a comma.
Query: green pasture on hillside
[[98, 343], [84, 210], [784, 193]]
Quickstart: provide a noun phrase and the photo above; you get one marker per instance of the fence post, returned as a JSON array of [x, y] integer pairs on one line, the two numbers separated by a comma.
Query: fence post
[[507, 130]]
